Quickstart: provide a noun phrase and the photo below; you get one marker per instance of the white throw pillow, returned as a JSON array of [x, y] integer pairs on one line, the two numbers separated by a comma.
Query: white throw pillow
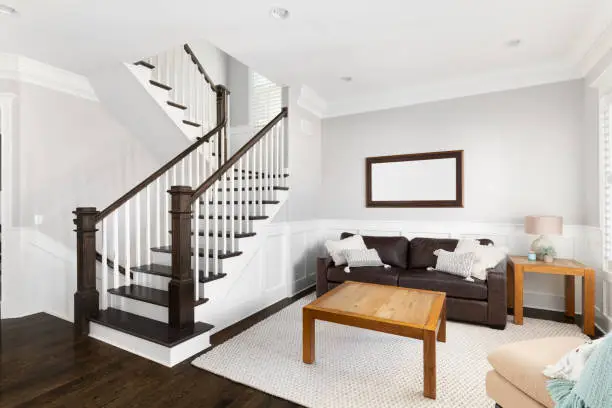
[[487, 256], [335, 248], [358, 257], [454, 263]]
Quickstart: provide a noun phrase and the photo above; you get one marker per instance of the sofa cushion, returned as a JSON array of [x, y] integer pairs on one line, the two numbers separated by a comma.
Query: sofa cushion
[[392, 250], [454, 286], [422, 251], [522, 363], [367, 274]]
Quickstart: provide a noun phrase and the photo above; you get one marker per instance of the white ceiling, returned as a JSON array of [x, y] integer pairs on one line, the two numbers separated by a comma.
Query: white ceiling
[[392, 48]]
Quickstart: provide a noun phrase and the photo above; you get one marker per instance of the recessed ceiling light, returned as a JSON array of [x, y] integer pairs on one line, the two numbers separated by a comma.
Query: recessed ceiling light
[[4, 9], [346, 78], [279, 13], [514, 43]]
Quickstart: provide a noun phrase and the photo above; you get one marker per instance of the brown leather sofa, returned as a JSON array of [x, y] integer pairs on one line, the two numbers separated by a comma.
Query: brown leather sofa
[[476, 302]]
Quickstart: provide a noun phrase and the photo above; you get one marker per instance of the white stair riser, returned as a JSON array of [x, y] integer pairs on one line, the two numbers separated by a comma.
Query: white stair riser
[[251, 209], [163, 258], [218, 241], [230, 225], [137, 307], [246, 195], [163, 355], [158, 282]]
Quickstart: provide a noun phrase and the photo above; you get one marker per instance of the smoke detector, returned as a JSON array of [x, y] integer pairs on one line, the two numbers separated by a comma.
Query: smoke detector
[[279, 13]]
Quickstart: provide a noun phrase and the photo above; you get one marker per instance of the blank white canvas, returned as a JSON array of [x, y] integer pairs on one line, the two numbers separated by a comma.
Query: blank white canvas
[[420, 180]]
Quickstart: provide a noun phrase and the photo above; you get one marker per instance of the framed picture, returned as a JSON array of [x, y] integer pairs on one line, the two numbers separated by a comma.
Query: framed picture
[[433, 179]]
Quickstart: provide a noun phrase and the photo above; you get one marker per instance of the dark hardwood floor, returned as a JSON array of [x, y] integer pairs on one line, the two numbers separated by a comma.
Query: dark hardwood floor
[[43, 365]]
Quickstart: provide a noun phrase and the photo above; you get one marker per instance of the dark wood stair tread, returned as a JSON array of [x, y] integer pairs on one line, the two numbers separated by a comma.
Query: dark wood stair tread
[[190, 123], [146, 294], [166, 271], [251, 217], [256, 177], [228, 235], [255, 188], [221, 255], [160, 85], [243, 202], [176, 105], [148, 329], [145, 64]]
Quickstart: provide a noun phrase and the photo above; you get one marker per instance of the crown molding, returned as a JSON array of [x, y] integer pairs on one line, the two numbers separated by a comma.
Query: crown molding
[[477, 85], [595, 51], [312, 102], [23, 69]]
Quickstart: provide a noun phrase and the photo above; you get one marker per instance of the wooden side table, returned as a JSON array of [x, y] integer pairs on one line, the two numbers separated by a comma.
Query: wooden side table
[[518, 265]]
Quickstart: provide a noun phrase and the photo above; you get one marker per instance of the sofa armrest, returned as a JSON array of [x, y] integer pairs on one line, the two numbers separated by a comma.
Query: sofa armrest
[[497, 295], [323, 263]]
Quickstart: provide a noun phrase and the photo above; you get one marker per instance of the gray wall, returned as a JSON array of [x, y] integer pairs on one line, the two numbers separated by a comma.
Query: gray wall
[[239, 83], [523, 154]]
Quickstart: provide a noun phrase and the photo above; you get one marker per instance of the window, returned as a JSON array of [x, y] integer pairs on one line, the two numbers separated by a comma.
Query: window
[[606, 144], [266, 100]]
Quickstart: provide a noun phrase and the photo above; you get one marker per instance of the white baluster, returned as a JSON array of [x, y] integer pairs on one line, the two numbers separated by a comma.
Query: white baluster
[[239, 194], [206, 235], [116, 249], [260, 178], [104, 292], [158, 211], [279, 152], [247, 187], [148, 227], [128, 244], [196, 257], [198, 153], [137, 233], [167, 205], [215, 211], [174, 175], [190, 168], [282, 154], [183, 172], [267, 166], [230, 196], [224, 212]]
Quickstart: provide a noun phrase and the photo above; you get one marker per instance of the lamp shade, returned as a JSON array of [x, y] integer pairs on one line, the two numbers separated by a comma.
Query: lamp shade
[[543, 225]]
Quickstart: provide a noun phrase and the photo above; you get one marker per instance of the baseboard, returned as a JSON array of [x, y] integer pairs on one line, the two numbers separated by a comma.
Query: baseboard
[[557, 316], [240, 326]]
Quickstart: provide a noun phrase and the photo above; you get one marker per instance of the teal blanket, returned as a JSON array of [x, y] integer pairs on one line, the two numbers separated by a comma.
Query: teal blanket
[[594, 388]]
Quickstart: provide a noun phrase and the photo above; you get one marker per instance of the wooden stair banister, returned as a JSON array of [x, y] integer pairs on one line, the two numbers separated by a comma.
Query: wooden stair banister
[[198, 192], [141, 186]]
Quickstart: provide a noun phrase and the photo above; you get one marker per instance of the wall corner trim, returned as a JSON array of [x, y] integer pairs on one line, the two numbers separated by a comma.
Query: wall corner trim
[[23, 69], [312, 102]]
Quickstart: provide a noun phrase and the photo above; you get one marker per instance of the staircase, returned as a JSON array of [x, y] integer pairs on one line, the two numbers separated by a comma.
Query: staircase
[[147, 265]]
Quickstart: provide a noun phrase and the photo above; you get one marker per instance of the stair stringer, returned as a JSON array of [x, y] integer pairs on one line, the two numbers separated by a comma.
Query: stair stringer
[[226, 306]]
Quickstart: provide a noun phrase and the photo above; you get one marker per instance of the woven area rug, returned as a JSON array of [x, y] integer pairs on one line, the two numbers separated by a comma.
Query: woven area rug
[[362, 368]]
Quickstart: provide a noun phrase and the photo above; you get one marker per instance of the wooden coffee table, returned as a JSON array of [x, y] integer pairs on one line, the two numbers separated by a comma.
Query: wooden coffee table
[[419, 314]]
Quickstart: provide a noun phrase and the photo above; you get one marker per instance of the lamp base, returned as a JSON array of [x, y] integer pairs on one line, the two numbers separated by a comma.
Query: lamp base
[[538, 244]]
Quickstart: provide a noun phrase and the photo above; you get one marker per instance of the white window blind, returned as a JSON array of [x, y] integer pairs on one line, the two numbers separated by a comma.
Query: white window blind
[[266, 100], [605, 115]]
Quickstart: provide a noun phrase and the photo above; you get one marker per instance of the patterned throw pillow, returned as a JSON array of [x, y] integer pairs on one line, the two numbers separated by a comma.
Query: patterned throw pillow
[[336, 248], [454, 263], [359, 257]]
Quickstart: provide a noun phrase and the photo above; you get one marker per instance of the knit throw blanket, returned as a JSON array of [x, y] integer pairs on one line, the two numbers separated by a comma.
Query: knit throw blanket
[[593, 389]]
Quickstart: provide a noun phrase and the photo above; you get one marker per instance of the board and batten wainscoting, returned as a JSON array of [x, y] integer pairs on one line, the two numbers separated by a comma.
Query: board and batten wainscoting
[[582, 243]]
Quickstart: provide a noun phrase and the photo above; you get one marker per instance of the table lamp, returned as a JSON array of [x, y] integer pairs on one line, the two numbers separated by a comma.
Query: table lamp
[[543, 225]]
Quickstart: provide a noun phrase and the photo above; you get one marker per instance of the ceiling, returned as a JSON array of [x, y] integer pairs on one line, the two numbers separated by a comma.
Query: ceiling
[[391, 48]]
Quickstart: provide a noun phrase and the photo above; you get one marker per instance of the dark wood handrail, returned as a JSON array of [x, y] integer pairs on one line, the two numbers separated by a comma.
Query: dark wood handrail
[[241, 152], [197, 63], [114, 206]]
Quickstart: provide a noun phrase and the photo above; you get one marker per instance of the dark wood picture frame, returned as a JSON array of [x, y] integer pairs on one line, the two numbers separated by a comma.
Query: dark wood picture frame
[[452, 154]]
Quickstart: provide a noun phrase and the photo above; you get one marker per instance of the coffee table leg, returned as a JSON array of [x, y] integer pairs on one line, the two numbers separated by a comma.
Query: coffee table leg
[[442, 329], [429, 364], [308, 337]]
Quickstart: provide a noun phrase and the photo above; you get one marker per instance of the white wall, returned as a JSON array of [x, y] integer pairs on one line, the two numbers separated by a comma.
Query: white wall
[[522, 154], [214, 61], [304, 161], [67, 152]]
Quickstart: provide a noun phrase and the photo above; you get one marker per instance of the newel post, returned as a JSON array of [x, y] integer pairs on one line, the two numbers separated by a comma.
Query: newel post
[[222, 108], [86, 298], [180, 288]]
